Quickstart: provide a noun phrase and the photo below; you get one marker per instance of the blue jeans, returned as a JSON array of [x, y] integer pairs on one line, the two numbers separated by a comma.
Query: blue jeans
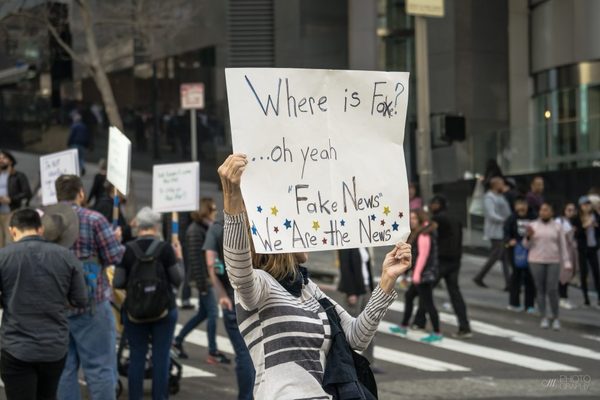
[[139, 336], [207, 309], [91, 346], [244, 368]]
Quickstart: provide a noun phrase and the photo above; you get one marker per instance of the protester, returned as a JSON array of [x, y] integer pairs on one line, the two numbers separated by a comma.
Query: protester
[[423, 240], [150, 272], [244, 368], [547, 249], [356, 281], [37, 279], [79, 139], [510, 191], [105, 206], [567, 222], [415, 202], [496, 211], [98, 189], [293, 366], [449, 237], [535, 196], [515, 230], [14, 192], [91, 328], [587, 234], [195, 259]]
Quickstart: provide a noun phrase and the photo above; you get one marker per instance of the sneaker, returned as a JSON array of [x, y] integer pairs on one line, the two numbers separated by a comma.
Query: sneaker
[[479, 283], [531, 310], [187, 306], [515, 308], [545, 324], [462, 335], [556, 325], [217, 358], [180, 351], [399, 330], [432, 338], [566, 304]]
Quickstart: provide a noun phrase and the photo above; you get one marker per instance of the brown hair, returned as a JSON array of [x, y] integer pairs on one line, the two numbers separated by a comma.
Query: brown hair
[[68, 187], [424, 228], [207, 205], [279, 266]]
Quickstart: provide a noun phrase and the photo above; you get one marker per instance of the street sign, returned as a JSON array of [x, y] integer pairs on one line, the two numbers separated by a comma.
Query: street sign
[[192, 96], [425, 8]]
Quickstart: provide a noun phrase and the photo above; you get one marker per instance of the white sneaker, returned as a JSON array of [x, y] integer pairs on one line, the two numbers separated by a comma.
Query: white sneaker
[[556, 325], [545, 324], [566, 304]]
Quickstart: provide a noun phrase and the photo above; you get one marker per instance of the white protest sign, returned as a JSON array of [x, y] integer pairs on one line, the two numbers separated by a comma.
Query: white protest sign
[[119, 160], [326, 163], [51, 167], [176, 187]]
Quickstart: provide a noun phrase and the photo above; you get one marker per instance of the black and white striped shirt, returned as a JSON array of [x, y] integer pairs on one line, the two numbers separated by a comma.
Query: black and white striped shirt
[[288, 337]]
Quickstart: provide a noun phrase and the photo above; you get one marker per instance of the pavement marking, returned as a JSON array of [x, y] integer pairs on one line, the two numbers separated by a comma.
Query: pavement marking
[[415, 361], [591, 337], [192, 372], [198, 337], [475, 350], [515, 336]]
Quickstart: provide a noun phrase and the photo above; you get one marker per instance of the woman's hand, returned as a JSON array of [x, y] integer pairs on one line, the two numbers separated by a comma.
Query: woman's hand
[[177, 249], [395, 264], [230, 173]]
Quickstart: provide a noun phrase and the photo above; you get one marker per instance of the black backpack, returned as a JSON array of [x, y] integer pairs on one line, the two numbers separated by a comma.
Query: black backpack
[[149, 292]]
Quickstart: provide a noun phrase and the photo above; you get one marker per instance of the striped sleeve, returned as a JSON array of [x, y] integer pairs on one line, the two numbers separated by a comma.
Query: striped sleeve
[[251, 288], [360, 331]]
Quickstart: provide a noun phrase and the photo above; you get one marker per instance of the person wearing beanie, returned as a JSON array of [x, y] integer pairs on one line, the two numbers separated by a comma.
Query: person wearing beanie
[[158, 331], [15, 192]]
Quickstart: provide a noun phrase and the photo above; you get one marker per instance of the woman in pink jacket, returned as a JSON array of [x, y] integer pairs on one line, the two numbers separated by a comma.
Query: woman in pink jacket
[[423, 239], [547, 250]]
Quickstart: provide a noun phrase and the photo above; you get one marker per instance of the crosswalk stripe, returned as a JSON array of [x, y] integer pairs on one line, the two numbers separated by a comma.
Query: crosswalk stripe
[[506, 357], [515, 336], [192, 372], [591, 337], [415, 361], [198, 337]]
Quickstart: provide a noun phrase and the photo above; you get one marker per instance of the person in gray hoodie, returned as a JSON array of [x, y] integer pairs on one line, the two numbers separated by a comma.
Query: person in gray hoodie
[[496, 211]]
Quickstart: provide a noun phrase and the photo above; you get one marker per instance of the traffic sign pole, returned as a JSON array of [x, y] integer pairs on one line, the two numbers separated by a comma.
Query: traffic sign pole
[[194, 134]]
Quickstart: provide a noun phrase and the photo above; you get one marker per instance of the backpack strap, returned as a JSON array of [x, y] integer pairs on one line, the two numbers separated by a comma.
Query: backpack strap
[[154, 248]]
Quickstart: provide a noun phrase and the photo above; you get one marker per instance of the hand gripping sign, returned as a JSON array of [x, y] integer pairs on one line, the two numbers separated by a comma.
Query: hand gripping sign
[[326, 160]]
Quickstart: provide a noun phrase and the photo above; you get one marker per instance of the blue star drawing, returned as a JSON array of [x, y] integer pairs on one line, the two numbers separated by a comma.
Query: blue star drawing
[[254, 230], [343, 223], [373, 218], [259, 209], [395, 226], [287, 224]]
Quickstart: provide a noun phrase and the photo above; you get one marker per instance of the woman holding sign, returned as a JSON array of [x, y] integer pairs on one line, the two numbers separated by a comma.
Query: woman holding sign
[[291, 327]]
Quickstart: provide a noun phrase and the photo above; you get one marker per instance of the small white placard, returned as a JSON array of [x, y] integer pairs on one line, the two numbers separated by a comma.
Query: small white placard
[[176, 187], [51, 167], [119, 160]]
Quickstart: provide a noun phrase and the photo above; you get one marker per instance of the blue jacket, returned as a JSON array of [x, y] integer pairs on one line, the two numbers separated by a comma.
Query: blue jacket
[[79, 135]]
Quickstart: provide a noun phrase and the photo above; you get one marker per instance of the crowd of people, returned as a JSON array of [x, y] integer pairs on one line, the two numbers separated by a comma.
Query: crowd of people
[[112, 272], [542, 246]]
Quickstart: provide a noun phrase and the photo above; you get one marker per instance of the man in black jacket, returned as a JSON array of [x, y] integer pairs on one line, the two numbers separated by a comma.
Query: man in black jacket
[[14, 192], [37, 280], [356, 281], [449, 232]]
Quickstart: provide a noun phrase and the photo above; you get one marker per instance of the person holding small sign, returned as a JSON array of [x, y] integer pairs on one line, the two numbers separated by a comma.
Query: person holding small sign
[[281, 312]]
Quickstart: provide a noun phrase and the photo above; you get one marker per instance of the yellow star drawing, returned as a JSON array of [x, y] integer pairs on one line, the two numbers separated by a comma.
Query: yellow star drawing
[[386, 210], [274, 210], [316, 225]]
